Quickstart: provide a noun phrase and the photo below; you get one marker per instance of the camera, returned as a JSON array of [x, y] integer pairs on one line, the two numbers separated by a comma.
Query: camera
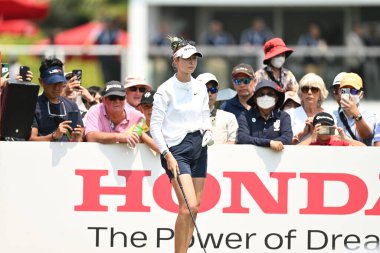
[[326, 130], [345, 93]]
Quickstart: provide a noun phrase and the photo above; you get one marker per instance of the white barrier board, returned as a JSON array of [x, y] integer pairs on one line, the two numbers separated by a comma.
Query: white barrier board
[[93, 198]]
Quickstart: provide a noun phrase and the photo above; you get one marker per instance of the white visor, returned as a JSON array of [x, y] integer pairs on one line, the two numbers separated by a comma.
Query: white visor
[[186, 52]]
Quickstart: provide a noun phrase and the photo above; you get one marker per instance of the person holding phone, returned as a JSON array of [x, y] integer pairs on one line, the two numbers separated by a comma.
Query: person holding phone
[[358, 123], [180, 126], [54, 113], [324, 133]]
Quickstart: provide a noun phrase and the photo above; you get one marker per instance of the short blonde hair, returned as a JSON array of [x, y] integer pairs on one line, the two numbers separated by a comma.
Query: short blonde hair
[[314, 80]]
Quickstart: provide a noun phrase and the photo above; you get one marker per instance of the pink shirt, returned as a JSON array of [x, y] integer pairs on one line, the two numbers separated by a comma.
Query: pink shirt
[[98, 121]]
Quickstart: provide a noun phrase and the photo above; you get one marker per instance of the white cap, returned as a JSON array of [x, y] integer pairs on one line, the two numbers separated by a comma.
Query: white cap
[[338, 78], [207, 77], [186, 52], [134, 80]]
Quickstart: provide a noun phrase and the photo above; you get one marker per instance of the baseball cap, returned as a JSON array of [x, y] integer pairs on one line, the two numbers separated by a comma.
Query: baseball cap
[[53, 75], [187, 51], [114, 88], [134, 80], [352, 79], [338, 78], [207, 77], [243, 68], [324, 118], [147, 98]]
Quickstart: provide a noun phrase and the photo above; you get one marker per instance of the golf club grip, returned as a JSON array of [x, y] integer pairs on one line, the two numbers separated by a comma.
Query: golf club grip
[[191, 213]]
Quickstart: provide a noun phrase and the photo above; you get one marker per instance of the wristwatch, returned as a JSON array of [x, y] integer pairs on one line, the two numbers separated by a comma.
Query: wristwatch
[[359, 117]]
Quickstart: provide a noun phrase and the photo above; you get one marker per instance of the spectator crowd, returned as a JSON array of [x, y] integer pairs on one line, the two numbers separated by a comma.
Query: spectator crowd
[[270, 109]]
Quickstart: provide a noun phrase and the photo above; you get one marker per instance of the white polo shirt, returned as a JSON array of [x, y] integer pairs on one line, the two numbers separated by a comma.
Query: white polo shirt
[[178, 109]]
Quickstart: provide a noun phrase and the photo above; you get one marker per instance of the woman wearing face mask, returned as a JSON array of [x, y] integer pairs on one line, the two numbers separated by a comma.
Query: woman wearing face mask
[[276, 53], [265, 124]]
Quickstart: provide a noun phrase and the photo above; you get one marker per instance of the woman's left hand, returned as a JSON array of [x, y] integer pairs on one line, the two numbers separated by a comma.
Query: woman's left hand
[[276, 145]]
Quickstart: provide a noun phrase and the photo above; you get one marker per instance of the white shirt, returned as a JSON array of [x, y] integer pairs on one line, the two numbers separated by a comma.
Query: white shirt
[[178, 109], [368, 117], [298, 117], [224, 126]]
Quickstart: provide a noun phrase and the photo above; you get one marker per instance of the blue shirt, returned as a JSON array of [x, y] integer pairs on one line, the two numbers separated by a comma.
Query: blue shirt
[[254, 129], [46, 122], [234, 106]]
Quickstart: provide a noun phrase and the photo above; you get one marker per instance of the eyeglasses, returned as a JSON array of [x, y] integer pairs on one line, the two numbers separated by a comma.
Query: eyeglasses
[[184, 43], [114, 97], [134, 88], [57, 115], [305, 89], [262, 94], [245, 80], [213, 90]]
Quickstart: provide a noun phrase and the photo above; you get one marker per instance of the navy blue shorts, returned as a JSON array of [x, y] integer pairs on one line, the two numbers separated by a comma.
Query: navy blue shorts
[[190, 155]]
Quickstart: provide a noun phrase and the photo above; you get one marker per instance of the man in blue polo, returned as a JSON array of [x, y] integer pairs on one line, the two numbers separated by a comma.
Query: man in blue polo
[[243, 79], [56, 118]]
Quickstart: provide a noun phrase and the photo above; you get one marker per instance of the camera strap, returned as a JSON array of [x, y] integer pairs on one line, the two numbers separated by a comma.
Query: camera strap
[[345, 123]]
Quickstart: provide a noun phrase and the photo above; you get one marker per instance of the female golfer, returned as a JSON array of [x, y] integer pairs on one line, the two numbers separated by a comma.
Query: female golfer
[[180, 125]]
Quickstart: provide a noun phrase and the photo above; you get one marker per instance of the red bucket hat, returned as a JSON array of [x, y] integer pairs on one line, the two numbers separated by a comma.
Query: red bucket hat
[[274, 47]]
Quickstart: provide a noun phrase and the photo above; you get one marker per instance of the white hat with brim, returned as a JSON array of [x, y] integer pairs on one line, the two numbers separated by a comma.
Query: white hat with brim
[[186, 52], [134, 80], [207, 77]]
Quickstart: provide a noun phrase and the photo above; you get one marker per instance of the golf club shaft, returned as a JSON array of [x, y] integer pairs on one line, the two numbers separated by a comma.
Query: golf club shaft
[[191, 213]]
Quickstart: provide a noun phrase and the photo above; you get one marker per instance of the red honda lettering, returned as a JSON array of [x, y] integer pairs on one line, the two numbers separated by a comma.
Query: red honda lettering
[[357, 193], [132, 190], [258, 191]]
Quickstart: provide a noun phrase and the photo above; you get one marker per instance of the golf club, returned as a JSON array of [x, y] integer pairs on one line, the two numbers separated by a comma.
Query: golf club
[[191, 214]]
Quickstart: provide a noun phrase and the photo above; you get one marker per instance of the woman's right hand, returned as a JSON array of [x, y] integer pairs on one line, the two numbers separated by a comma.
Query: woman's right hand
[[172, 164]]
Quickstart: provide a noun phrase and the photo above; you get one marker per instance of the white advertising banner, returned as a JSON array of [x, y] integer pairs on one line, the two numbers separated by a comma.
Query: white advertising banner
[[93, 198]]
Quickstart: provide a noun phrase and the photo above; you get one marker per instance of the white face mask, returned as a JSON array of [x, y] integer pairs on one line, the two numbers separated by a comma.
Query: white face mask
[[266, 102], [278, 61]]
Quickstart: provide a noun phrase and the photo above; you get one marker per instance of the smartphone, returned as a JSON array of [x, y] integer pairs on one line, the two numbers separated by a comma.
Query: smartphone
[[78, 74], [73, 116], [23, 72], [326, 130], [5, 70], [345, 93]]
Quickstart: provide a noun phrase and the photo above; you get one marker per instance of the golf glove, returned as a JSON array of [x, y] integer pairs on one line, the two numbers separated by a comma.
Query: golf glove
[[207, 138]]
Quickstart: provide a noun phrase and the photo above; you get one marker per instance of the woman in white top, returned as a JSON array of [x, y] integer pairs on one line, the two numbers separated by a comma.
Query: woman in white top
[[312, 91], [180, 126]]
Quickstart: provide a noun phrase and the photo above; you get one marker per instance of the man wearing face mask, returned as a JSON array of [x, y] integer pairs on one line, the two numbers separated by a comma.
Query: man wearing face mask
[[276, 52], [357, 123], [265, 124]]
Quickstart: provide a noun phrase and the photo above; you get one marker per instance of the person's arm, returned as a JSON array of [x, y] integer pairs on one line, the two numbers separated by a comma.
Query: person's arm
[[243, 134], [109, 138], [145, 138], [350, 108], [158, 115], [312, 137], [285, 130], [350, 141], [62, 129]]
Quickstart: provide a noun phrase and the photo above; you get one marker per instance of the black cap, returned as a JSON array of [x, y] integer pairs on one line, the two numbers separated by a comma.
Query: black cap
[[114, 88], [268, 84], [147, 98], [324, 118]]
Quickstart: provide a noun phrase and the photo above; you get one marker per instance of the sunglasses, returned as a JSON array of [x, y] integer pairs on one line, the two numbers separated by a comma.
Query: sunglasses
[[213, 90], [114, 97], [62, 113], [134, 88], [305, 89], [262, 94], [354, 91], [245, 80]]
